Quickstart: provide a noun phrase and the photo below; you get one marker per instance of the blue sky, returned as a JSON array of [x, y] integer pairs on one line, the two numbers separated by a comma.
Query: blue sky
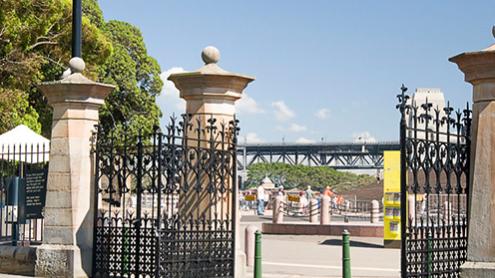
[[324, 69]]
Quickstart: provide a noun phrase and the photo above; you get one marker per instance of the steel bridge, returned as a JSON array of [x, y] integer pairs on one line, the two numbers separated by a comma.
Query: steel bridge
[[341, 156]]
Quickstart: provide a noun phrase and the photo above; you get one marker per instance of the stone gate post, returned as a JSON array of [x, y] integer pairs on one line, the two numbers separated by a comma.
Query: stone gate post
[[212, 92], [479, 70], [68, 217]]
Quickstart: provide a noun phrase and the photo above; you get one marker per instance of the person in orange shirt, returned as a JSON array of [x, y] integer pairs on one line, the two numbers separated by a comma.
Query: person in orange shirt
[[328, 192]]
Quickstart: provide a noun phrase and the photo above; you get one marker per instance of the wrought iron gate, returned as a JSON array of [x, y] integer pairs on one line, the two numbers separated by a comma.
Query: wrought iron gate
[[435, 148], [165, 203]]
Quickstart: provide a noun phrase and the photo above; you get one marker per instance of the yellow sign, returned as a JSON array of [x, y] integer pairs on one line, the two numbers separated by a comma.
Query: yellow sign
[[391, 171], [250, 197], [293, 198], [391, 198]]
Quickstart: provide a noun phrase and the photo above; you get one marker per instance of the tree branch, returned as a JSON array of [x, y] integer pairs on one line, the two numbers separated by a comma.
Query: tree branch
[[41, 43]]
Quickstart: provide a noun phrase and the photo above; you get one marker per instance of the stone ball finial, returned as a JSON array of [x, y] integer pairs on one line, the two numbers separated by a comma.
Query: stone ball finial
[[77, 65], [210, 55]]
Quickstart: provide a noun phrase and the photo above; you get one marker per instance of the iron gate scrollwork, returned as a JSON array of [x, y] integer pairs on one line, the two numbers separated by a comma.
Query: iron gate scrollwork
[[166, 202], [435, 153]]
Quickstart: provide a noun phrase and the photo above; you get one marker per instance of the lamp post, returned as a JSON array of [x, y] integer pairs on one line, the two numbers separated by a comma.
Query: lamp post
[[76, 28]]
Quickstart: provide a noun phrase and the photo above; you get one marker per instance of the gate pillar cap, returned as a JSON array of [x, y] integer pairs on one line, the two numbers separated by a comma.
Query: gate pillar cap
[[210, 81], [74, 87], [477, 65]]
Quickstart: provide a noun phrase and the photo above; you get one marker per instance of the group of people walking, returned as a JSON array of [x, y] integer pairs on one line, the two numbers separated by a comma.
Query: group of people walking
[[263, 196]]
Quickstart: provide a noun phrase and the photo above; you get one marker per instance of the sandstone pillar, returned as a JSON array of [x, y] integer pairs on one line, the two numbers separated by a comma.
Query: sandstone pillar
[[249, 244], [479, 70], [313, 210], [68, 226], [375, 212], [411, 212], [211, 92], [325, 210], [447, 211], [278, 213]]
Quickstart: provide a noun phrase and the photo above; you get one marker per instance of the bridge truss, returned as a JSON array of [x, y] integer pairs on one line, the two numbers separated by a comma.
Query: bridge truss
[[341, 156]]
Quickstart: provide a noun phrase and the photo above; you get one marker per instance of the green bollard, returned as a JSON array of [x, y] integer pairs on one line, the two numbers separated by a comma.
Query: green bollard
[[429, 255], [257, 255], [346, 255]]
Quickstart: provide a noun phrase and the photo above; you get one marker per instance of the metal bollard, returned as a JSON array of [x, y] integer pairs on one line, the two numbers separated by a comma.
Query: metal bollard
[[346, 255], [249, 243], [313, 211], [257, 255]]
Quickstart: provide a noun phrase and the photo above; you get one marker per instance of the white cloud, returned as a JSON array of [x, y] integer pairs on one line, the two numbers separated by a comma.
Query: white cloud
[[322, 113], [252, 138], [297, 128], [282, 111], [248, 105], [303, 140], [363, 137], [169, 100]]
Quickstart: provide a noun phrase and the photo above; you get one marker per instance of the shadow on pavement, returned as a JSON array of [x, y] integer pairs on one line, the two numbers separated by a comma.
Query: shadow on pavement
[[338, 242]]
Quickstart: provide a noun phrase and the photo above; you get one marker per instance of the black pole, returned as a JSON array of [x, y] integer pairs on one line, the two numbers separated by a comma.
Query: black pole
[[76, 28], [403, 183]]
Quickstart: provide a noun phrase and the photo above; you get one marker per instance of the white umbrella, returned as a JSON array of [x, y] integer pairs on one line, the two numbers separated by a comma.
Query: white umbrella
[[23, 144]]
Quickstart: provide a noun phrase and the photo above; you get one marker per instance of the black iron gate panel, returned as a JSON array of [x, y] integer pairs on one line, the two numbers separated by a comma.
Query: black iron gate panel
[[435, 148], [166, 202]]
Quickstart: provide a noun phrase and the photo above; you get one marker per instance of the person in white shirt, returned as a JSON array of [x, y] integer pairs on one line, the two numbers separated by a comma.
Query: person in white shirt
[[260, 197]]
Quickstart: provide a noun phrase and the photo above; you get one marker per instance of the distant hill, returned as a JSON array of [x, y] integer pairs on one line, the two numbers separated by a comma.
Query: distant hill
[[300, 176]]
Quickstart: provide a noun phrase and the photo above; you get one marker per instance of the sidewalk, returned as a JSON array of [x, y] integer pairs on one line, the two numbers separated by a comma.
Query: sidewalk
[[320, 256]]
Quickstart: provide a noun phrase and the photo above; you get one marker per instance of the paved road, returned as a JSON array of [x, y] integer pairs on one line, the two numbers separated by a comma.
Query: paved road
[[291, 256]]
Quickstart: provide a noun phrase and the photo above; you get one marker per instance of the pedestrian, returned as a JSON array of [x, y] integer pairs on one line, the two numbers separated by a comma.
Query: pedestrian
[[309, 193], [327, 192], [267, 198], [260, 197]]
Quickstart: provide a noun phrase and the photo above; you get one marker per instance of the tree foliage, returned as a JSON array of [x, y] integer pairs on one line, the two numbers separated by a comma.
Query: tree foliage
[[137, 79], [35, 46], [300, 176]]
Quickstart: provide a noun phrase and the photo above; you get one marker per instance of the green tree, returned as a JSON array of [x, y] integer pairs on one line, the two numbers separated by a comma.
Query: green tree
[[15, 110], [34, 47], [300, 176], [137, 79], [35, 38]]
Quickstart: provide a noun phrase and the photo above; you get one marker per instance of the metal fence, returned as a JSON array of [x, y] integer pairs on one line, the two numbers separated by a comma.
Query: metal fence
[[16, 163], [435, 153], [165, 203], [357, 210]]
